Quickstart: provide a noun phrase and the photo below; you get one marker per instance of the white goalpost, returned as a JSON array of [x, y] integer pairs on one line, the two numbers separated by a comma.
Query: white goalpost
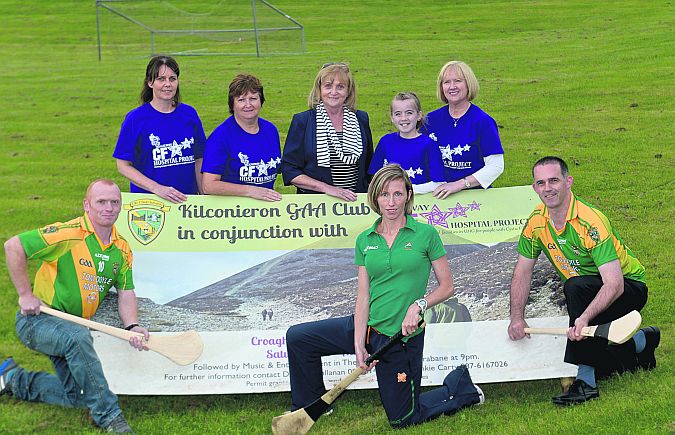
[[196, 28]]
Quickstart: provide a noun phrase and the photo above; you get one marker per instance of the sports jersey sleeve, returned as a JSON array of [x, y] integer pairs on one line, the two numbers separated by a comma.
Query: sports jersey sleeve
[[359, 258], [604, 252], [528, 244], [38, 244], [216, 152], [436, 249], [124, 279], [124, 150]]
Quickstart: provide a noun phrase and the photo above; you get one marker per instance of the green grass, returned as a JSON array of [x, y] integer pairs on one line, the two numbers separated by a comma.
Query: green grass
[[590, 81]]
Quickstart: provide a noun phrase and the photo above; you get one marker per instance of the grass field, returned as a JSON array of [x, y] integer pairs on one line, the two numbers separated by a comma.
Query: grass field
[[590, 81]]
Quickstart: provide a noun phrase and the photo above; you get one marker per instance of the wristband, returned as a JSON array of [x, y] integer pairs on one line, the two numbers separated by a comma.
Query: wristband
[[132, 326], [467, 184]]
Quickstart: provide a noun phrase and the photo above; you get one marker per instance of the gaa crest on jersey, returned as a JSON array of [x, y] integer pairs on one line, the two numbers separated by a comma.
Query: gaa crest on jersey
[[145, 218], [594, 234]]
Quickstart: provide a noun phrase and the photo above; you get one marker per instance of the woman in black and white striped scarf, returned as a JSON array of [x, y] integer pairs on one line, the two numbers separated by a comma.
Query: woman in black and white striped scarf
[[328, 148]]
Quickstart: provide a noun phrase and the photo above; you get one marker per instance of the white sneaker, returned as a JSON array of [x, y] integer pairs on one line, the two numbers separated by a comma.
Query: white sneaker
[[481, 395]]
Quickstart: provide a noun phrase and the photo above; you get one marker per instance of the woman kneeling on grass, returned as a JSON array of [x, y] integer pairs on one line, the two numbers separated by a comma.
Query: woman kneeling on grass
[[394, 258]]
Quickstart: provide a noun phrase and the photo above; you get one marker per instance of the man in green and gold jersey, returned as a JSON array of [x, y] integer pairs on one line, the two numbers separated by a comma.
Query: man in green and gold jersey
[[81, 260], [603, 280]]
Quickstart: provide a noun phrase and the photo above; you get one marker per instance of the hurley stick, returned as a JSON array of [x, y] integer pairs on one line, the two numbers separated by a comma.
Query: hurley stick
[[183, 348], [617, 331], [301, 420]]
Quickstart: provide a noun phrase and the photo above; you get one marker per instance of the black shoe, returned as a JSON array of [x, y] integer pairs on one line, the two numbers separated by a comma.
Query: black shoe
[[579, 392], [646, 358], [6, 366], [119, 425]]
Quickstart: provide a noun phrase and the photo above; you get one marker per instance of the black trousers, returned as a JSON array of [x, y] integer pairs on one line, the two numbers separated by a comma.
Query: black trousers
[[596, 352]]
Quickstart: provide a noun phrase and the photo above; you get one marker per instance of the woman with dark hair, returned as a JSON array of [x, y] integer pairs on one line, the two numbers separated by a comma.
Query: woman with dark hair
[[329, 147], [394, 259], [243, 153], [161, 143]]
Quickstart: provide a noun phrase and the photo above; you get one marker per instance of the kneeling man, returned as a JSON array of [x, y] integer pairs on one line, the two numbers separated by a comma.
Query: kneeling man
[[80, 261], [603, 280]]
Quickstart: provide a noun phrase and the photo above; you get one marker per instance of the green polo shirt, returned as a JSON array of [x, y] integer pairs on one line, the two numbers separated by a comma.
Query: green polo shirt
[[398, 276]]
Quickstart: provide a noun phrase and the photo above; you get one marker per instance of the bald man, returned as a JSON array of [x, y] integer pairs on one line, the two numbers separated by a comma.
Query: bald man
[[80, 261]]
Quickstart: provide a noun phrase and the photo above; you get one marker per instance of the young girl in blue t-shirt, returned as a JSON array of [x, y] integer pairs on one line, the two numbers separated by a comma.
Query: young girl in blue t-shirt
[[415, 152]]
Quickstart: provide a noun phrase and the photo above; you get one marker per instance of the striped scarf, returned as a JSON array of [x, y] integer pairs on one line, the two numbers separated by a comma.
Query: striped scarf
[[349, 149]]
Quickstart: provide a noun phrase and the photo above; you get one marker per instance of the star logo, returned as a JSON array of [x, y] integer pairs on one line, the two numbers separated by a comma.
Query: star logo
[[262, 168], [418, 171], [446, 152], [474, 206], [458, 211], [176, 149], [433, 137], [467, 147], [458, 150], [272, 163], [436, 217], [410, 172], [401, 377]]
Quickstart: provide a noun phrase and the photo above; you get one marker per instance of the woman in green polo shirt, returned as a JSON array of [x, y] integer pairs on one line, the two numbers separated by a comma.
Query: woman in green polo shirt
[[394, 259]]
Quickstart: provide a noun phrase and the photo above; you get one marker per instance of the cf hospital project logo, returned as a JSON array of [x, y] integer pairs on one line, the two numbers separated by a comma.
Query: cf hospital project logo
[[145, 218], [436, 216]]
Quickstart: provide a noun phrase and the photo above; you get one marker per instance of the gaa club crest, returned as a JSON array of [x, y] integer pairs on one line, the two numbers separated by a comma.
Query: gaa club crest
[[145, 218]]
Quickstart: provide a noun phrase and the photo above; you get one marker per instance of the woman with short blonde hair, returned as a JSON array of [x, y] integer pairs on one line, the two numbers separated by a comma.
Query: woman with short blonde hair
[[329, 147], [467, 137]]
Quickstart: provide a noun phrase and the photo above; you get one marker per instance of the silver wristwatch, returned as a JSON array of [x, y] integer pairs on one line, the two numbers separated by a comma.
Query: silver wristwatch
[[422, 303]]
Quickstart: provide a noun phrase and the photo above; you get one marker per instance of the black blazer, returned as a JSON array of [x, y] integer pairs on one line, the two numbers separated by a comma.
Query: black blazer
[[299, 155]]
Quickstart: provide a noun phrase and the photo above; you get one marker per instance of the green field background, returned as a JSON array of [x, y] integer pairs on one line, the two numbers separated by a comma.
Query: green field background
[[592, 82]]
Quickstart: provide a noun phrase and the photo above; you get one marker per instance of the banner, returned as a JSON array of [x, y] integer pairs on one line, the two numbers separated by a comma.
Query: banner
[[241, 271]]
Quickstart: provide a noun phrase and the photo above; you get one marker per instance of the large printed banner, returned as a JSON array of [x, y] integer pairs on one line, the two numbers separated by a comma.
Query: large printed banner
[[241, 271]]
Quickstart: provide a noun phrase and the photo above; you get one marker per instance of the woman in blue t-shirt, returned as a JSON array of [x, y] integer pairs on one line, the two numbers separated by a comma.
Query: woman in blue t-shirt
[[466, 136], [243, 153], [161, 143]]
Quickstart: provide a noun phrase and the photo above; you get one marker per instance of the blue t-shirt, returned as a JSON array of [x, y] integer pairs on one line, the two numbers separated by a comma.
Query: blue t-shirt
[[463, 147], [241, 157], [419, 157], [163, 146]]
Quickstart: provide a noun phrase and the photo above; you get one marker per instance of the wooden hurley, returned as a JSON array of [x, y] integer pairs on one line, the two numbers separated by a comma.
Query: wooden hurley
[[183, 348], [301, 421], [617, 331]]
